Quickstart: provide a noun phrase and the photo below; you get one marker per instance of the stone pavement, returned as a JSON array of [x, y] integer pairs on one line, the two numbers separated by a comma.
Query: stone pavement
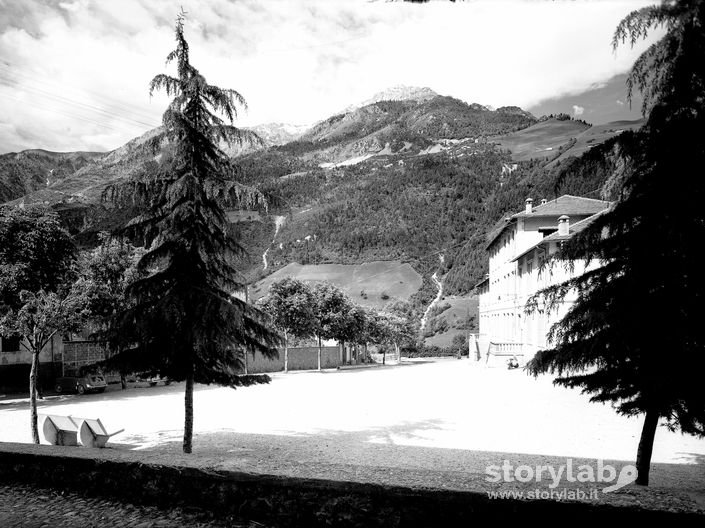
[[27, 507]]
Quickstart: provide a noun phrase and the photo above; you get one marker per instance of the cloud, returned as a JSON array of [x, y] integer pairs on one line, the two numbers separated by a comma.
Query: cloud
[[74, 75], [578, 110]]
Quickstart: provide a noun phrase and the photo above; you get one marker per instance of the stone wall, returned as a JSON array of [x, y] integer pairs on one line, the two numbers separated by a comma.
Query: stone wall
[[285, 501], [300, 358]]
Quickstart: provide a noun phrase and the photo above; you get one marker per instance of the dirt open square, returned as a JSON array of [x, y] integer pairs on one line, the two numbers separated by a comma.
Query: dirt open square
[[436, 423]]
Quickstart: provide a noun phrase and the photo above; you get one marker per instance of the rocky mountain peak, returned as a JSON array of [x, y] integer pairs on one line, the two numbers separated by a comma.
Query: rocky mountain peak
[[397, 93]]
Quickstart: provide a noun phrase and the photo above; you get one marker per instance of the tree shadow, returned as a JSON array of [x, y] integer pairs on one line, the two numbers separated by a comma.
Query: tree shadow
[[388, 455], [113, 393]]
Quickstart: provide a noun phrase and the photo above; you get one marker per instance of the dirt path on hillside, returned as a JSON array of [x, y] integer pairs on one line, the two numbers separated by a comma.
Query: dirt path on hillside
[[278, 223], [438, 297]]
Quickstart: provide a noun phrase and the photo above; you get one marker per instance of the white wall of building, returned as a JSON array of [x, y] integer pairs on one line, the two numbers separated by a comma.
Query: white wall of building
[[52, 351], [512, 282]]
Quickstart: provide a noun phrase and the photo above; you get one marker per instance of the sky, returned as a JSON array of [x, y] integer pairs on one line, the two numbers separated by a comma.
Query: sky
[[74, 74]]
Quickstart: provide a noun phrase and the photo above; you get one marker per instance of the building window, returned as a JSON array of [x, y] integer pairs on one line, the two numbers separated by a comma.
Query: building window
[[10, 344]]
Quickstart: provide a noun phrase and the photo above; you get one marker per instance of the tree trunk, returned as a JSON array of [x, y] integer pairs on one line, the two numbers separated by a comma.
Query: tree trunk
[[188, 414], [123, 381], [33, 374], [286, 351], [396, 349], [384, 356], [319, 353], [646, 447]]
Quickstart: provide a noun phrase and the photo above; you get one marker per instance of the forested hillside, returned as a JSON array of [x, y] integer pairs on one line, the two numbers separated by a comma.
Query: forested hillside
[[420, 207], [25, 172], [408, 180]]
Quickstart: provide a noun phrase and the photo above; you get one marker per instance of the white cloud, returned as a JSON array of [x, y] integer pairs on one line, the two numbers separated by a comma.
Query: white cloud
[[578, 110], [75, 77]]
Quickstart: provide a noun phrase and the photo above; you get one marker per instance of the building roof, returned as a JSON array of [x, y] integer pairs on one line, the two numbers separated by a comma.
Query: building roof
[[566, 205], [577, 227], [483, 281], [563, 205]]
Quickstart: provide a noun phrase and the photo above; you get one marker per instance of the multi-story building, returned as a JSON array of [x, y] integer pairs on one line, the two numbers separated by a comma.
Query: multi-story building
[[518, 249]]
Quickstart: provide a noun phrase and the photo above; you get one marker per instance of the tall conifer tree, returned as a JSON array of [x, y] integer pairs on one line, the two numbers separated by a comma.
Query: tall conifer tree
[[635, 337], [187, 320]]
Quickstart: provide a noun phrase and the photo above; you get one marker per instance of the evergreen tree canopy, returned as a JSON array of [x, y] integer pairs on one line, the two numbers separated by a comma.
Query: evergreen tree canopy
[[635, 336], [185, 318]]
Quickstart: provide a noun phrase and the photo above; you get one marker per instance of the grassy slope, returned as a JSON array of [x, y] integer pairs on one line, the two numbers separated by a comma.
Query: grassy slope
[[458, 312], [394, 279], [596, 135], [541, 140]]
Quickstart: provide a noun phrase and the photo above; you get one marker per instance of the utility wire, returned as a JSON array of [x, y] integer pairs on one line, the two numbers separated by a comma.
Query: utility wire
[[106, 108], [25, 75]]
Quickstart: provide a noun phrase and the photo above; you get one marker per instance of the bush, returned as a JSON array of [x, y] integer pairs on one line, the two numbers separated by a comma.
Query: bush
[[419, 350], [439, 309]]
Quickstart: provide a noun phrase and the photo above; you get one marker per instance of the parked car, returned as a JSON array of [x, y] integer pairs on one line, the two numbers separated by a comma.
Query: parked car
[[81, 384], [153, 380]]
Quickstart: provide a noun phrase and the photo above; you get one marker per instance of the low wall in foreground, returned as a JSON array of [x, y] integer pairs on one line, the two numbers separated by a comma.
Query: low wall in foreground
[[279, 501]]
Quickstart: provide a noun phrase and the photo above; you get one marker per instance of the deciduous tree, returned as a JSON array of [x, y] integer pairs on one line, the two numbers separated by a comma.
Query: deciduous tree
[[36, 256], [104, 273], [332, 309], [292, 307]]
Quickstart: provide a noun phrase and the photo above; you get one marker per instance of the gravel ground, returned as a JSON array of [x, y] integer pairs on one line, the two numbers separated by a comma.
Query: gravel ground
[[426, 424], [674, 487], [28, 507]]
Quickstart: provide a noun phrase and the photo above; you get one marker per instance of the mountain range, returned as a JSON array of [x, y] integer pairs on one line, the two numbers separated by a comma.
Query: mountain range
[[410, 176]]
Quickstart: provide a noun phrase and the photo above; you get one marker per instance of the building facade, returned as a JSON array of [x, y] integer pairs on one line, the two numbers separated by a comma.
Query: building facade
[[16, 360], [518, 250]]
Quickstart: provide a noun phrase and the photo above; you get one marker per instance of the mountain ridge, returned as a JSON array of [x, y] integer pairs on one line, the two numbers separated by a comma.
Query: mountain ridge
[[399, 92], [402, 181]]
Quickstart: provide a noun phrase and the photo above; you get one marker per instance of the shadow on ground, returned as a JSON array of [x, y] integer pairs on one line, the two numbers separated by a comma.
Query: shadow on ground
[[113, 393]]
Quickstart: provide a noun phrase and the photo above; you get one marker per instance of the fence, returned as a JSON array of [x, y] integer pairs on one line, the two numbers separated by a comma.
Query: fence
[[80, 353], [490, 352], [501, 352]]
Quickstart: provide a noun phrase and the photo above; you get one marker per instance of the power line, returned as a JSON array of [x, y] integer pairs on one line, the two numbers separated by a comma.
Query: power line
[[67, 114], [110, 108], [38, 78], [82, 106]]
